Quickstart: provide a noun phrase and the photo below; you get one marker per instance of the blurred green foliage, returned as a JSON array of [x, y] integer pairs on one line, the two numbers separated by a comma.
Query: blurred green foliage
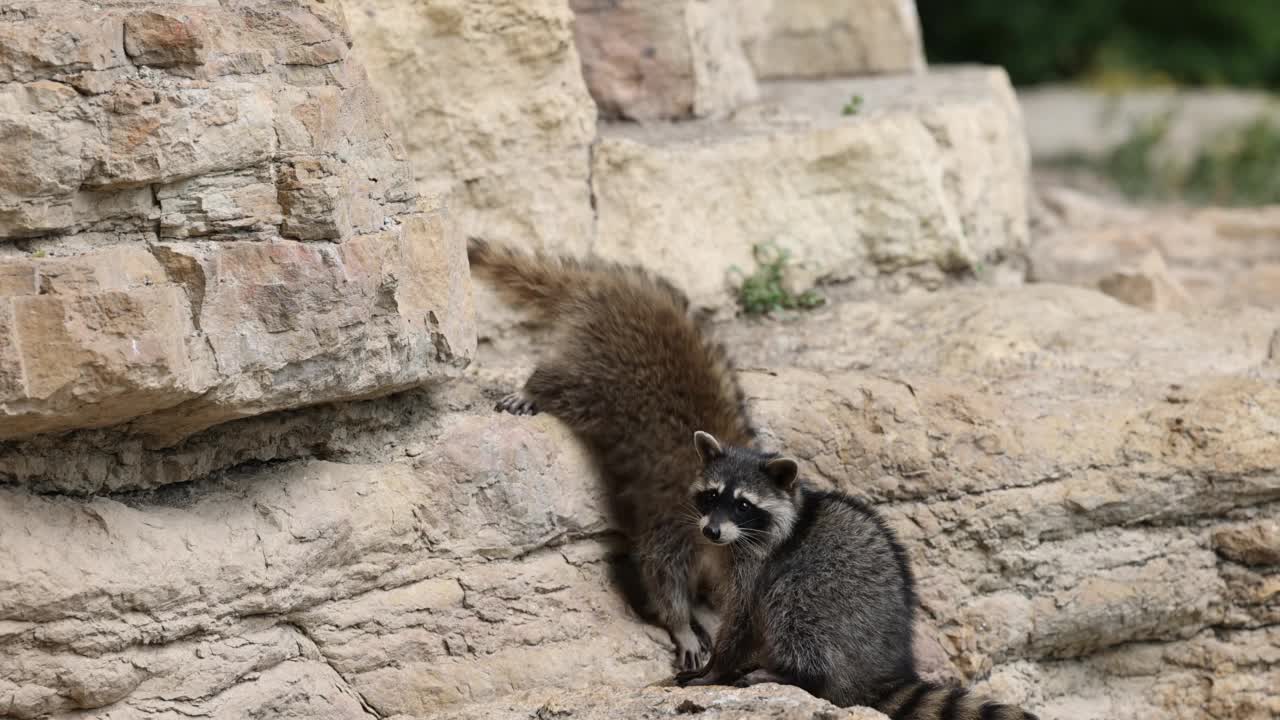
[[1240, 166], [1192, 42]]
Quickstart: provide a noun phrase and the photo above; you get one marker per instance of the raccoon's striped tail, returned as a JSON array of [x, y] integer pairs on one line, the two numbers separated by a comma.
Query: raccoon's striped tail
[[546, 285], [916, 699]]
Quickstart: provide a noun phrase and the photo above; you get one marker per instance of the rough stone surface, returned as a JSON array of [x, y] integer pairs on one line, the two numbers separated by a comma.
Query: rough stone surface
[[488, 98], [1087, 491], [765, 702], [663, 59], [1158, 258], [205, 220], [927, 181], [824, 38]]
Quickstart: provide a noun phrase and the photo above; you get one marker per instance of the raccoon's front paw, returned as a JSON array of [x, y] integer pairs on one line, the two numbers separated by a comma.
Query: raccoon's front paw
[[691, 650], [517, 404]]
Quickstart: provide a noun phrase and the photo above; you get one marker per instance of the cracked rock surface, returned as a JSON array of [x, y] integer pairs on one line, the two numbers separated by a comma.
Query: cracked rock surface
[[202, 218], [1088, 492]]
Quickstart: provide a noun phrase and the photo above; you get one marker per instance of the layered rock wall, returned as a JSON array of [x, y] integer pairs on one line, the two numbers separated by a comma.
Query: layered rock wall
[[203, 218]]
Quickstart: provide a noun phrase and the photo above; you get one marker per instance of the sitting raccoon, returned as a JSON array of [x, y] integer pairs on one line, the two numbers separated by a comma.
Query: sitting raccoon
[[820, 593]]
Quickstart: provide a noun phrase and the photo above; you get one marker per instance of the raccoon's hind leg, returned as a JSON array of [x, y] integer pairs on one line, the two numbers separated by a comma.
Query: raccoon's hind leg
[[664, 556]]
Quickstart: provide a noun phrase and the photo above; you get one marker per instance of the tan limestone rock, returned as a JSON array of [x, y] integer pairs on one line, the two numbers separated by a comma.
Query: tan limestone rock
[[1070, 475], [826, 38], [765, 702], [663, 59], [487, 98], [927, 180], [134, 141]]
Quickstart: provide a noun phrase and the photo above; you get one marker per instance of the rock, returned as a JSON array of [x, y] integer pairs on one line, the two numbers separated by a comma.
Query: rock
[[488, 99], [1148, 285], [662, 59], [152, 38], [927, 181], [1158, 258], [1071, 477], [820, 38], [1256, 544], [766, 702], [150, 131]]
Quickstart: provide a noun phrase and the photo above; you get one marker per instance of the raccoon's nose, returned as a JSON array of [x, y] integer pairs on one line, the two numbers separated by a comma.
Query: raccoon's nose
[[712, 532]]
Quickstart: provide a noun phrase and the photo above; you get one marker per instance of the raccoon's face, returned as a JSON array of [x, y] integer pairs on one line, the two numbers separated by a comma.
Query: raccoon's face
[[743, 496]]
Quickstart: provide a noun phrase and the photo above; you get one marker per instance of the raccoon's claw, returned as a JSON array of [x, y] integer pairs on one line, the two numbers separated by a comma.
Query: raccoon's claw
[[690, 677], [691, 660], [700, 679], [516, 404], [690, 649]]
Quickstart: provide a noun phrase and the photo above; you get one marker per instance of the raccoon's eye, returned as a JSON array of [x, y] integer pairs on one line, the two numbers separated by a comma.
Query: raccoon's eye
[[743, 506], [706, 498]]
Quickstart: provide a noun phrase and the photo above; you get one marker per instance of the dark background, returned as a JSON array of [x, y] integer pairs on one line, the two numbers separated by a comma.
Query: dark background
[[1188, 42]]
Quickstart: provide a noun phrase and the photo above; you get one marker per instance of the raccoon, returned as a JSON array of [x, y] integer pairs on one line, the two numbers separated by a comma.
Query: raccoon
[[821, 592], [633, 374]]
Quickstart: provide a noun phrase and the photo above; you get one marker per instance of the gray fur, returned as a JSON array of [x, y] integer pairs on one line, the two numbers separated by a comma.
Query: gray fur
[[820, 596]]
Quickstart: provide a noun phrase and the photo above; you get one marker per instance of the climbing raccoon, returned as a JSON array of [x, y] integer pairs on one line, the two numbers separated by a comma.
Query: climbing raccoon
[[633, 374]]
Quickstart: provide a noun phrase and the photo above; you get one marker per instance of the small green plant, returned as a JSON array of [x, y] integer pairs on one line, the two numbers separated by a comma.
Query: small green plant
[[763, 291], [38, 253], [853, 106]]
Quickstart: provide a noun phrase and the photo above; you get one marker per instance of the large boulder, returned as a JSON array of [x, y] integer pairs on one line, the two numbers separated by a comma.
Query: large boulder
[[1158, 258], [489, 100], [825, 38], [1087, 491], [206, 220], [663, 59], [926, 181]]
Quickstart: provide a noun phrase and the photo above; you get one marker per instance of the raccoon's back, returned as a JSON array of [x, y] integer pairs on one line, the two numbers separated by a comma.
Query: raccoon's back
[[645, 376]]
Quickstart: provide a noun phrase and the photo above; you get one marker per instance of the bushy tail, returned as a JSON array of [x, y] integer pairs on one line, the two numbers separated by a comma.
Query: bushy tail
[[547, 284], [920, 700], [535, 282]]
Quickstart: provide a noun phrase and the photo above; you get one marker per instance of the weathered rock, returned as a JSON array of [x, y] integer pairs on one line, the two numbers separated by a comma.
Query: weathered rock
[[764, 702], [488, 98], [1079, 484], [928, 179], [1255, 544], [1158, 258], [663, 59], [245, 125], [159, 40], [822, 38]]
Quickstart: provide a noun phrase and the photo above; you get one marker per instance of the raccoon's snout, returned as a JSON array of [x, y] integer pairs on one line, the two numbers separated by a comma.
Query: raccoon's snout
[[720, 533]]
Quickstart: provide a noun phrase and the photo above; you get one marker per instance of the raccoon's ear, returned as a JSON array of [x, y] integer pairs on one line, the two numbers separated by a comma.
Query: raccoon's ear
[[708, 447], [783, 472]]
